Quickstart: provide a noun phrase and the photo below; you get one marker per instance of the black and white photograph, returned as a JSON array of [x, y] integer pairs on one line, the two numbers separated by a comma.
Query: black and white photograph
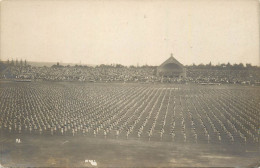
[[129, 83]]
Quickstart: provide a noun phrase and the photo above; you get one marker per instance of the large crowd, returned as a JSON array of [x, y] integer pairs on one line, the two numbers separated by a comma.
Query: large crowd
[[179, 113], [237, 76], [80, 73], [119, 73]]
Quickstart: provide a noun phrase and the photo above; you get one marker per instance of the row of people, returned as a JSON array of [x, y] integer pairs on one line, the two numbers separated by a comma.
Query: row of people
[[190, 114]]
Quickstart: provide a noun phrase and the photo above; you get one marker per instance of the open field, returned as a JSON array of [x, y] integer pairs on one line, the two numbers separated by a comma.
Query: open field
[[63, 124], [69, 151]]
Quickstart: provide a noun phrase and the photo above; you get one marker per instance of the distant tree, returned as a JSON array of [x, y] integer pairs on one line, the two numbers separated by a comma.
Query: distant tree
[[57, 65], [235, 66], [241, 65], [21, 62], [209, 65], [16, 62], [223, 65], [12, 62], [229, 65], [249, 65], [201, 66], [238, 66], [119, 66]]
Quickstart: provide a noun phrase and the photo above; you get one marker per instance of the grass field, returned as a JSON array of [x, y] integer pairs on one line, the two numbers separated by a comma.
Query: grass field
[[66, 124]]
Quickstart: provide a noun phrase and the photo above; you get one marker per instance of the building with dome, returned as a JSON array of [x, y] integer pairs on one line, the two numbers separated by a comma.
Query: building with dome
[[171, 68]]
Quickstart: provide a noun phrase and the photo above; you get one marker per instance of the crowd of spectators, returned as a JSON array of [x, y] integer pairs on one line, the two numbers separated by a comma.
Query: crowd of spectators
[[102, 73], [236, 74]]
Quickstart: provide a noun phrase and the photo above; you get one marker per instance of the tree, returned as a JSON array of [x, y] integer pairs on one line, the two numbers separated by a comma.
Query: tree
[[201, 66], [229, 65], [119, 66], [241, 65], [12, 62], [248, 66], [21, 62], [209, 65], [223, 65]]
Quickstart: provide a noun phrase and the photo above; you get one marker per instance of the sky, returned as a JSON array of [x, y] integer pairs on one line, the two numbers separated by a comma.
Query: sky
[[130, 32]]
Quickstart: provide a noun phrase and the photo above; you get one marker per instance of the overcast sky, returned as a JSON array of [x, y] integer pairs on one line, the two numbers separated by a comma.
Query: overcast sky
[[130, 32]]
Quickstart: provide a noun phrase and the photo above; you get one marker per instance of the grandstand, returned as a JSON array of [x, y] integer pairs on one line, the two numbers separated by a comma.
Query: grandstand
[[110, 105], [171, 71]]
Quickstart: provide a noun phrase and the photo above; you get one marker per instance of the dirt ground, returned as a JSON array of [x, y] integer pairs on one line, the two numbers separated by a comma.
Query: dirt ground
[[77, 151]]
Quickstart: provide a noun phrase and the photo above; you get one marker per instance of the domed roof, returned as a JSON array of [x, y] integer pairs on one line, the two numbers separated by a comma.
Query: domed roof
[[171, 63], [171, 68]]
